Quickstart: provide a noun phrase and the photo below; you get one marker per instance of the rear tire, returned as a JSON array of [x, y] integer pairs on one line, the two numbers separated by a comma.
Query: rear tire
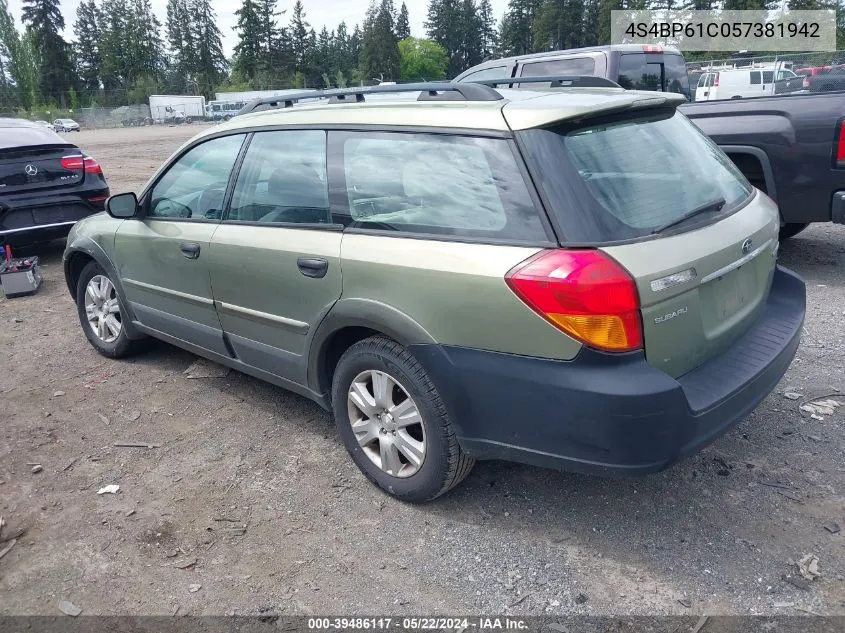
[[791, 230], [100, 310], [415, 456]]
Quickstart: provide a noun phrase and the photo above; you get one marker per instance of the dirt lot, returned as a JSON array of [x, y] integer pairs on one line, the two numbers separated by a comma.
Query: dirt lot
[[251, 495]]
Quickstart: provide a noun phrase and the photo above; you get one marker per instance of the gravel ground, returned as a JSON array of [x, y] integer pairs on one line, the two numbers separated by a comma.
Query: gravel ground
[[249, 504]]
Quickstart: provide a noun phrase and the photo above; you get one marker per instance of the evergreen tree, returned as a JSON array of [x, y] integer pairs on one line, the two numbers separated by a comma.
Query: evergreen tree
[[144, 33], [559, 25], [298, 31], [472, 35], [275, 56], [180, 44], [19, 62], [208, 64], [116, 57], [44, 18], [591, 22], [459, 27], [489, 37], [403, 25], [604, 13], [322, 55], [516, 32], [249, 50], [88, 36], [379, 46]]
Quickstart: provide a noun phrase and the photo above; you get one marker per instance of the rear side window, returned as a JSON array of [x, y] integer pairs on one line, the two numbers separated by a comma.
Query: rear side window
[[497, 72], [654, 71], [618, 178], [438, 185], [557, 67], [636, 74], [675, 75], [755, 78], [768, 76]]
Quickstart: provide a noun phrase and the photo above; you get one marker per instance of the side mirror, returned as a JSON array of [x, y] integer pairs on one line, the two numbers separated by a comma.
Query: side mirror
[[122, 206]]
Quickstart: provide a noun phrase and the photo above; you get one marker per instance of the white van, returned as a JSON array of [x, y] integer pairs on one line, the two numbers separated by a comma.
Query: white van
[[740, 83]]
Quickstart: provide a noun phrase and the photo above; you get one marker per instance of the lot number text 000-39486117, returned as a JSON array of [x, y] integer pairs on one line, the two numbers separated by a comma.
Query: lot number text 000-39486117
[[727, 30]]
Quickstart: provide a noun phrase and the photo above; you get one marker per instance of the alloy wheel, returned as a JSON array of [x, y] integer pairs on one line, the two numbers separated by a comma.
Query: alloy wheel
[[387, 423], [103, 309]]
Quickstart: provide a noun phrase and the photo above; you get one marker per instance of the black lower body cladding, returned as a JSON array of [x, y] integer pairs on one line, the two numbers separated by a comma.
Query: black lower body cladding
[[612, 413]]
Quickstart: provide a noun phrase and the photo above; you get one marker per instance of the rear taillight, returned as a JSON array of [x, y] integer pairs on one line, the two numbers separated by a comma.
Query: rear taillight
[[76, 163], [92, 166], [840, 146], [585, 293], [716, 80], [652, 48], [73, 163], [806, 83]]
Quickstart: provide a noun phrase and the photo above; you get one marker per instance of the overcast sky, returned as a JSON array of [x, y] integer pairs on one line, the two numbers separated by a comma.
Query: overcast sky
[[317, 13]]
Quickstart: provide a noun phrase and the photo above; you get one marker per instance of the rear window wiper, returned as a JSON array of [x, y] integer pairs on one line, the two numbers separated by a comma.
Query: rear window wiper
[[713, 205]]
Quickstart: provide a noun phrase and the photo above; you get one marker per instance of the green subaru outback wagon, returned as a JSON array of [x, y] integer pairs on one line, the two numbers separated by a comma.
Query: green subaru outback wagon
[[570, 277]]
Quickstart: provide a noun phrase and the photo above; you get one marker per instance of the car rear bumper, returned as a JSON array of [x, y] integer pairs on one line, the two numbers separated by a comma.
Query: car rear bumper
[[26, 220], [613, 414]]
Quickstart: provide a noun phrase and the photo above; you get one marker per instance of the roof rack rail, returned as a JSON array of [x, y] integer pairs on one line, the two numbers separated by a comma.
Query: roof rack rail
[[429, 91], [557, 81]]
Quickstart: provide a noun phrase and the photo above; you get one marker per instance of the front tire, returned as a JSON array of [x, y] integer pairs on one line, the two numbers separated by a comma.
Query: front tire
[[101, 314], [394, 424]]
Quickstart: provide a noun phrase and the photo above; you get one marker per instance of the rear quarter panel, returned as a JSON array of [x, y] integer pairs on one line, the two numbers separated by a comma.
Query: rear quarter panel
[[455, 291]]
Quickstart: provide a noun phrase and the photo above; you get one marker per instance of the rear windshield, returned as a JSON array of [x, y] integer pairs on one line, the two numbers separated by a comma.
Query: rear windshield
[[615, 178]]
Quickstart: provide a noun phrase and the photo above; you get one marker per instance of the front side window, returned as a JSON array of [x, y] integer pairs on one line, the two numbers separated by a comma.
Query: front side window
[[283, 179], [768, 76], [437, 185], [624, 177], [193, 188]]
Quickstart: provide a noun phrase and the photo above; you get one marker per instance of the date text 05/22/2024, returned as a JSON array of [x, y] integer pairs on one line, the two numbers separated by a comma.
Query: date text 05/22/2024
[[417, 624]]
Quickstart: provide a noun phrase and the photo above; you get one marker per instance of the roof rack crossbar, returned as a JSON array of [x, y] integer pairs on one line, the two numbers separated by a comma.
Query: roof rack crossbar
[[430, 91], [556, 81]]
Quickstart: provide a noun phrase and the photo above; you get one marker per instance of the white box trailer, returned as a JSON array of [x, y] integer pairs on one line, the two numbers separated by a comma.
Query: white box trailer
[[177, 108]]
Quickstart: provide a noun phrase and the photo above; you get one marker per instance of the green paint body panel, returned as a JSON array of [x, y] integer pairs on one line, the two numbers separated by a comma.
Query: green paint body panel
[[260, 294], [246, 283], [154, 270], [686, 325], [456, 291]]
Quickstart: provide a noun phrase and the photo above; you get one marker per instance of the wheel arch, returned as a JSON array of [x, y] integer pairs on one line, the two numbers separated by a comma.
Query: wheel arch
[[78, 254], [749, 160], [350, 321]]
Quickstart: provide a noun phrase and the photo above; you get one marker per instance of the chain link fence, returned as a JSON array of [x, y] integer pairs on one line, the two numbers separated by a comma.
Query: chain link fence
[[748, 76], [115, 117]]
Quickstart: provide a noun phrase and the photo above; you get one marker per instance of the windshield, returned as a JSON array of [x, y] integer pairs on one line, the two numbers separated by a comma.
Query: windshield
[[620, 178]]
